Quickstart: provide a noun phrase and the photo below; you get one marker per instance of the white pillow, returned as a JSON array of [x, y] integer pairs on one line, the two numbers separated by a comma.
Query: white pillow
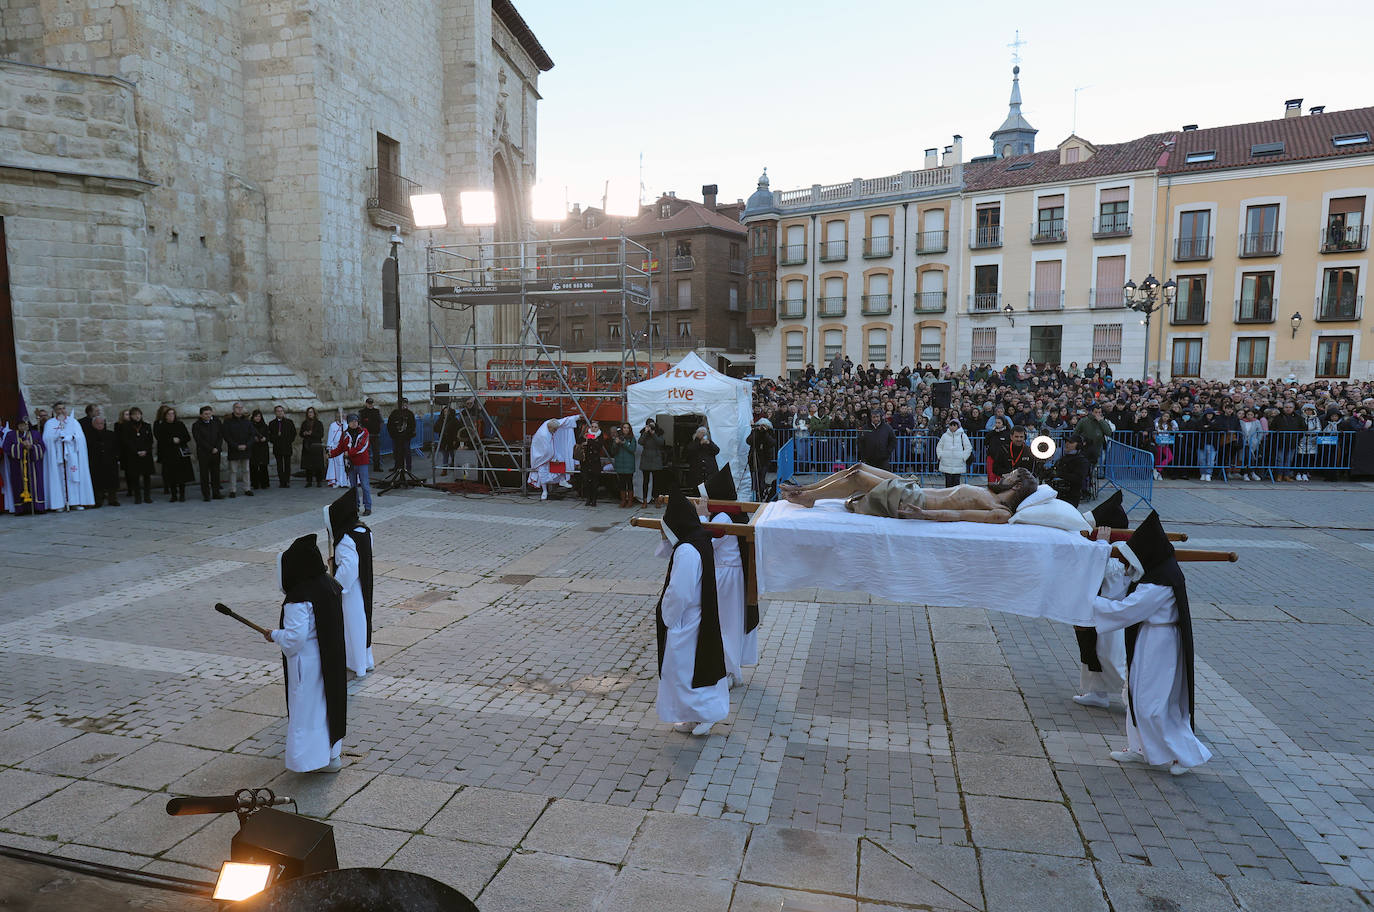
[[1042, 494], [1056, 513]]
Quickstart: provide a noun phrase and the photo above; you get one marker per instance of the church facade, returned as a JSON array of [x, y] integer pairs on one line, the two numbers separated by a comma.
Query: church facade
[[196, 200]]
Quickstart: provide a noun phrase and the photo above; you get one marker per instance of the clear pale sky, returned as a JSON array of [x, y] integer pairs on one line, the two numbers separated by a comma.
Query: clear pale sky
[[712, 91]]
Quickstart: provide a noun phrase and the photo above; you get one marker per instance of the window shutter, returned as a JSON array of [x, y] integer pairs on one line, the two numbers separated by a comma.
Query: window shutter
[[1115, 195]]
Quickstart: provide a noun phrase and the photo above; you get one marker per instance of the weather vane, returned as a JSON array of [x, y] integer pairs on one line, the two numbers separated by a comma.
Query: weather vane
[[1016, 48]]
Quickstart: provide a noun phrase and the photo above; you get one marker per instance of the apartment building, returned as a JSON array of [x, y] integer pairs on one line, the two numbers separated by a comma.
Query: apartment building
[[1265, 228]]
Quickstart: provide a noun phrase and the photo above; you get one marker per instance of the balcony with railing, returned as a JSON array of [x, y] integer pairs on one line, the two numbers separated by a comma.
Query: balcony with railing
[[875, 247], [1106, 298], [1045, 300], [985, 302], [738, 266], [792, 308], [761, 313], [1339, 307], [388, 201], [834, 251], [1256, 310], [1339, 239], [1048, 231], [870, 188], [929, 302], [932, 241], [1188, 313], [1260, 244], [792, 255], [830, 307], [876, 304], [684, 263], [986, 236], [1110, 226], [1192, 248]]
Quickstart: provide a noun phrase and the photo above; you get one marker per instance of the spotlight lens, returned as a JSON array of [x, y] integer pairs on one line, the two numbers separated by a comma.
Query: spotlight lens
[[238, 880], [1043, 447]]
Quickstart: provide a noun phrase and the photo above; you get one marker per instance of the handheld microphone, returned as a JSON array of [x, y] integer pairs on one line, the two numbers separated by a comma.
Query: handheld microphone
[[242, 800]]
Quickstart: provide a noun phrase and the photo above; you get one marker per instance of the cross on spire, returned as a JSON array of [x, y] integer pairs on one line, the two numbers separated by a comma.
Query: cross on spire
[[1016, 48]]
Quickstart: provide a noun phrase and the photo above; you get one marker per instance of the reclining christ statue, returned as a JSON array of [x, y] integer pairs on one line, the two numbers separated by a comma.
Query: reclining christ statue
[[877, 492]]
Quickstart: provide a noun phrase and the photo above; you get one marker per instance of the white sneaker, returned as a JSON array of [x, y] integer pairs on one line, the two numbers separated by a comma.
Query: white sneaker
[[333, 766], [1206, 477], [565, 484], [1100, 700], [684, 726], [734, 681], [1177, 769], [1158, 477], [1127, 756], [703, 729], [544, 494]]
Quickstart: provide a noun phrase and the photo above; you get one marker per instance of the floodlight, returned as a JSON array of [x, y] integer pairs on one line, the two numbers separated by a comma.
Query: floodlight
[[622, 199], [1043, 447], [427, 210], [477, 208], [239, 880], [547, 204]]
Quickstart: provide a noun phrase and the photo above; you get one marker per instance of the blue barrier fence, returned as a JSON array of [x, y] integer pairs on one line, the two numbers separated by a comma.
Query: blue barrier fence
[[1131, 469]]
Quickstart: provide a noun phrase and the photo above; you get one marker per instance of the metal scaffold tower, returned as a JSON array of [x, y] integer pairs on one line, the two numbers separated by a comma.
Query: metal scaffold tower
[[504, 387]]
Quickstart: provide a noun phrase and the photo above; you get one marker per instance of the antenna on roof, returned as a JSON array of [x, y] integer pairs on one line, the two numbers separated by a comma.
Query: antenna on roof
[[641, 178], [1076, 90], [1016, 48]]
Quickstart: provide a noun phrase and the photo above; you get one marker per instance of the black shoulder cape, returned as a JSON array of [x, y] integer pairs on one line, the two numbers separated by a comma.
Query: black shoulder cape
[[709, 665], [1169, 574], [326, 599], [362, 540]]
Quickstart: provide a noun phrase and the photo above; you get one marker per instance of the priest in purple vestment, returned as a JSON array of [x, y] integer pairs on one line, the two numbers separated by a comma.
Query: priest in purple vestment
[[24, 462]]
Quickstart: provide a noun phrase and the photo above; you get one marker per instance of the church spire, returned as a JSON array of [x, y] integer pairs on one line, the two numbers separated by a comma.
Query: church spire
[[1016, 136]]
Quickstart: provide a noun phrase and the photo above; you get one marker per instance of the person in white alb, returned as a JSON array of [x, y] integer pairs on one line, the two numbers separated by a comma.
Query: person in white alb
[[66, 465], [351, 542]]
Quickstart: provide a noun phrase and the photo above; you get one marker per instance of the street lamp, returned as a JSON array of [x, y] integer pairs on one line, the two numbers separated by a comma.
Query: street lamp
[[1147, 298], [1296, 323], [1007, 312]]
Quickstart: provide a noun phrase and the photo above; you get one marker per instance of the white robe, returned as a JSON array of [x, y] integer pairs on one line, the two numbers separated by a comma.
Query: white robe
[[677, 700], [740, 648], [357, 654], [1161, 729], [307, 725], [547, 446], [66, 465], [336, 475], [1111, 655]]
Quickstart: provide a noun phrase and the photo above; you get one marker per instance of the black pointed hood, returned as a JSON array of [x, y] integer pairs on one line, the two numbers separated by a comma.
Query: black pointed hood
[[680, 520], [298, 564], [721, 486], [341, 515], [1148, 547], [1110, 513]]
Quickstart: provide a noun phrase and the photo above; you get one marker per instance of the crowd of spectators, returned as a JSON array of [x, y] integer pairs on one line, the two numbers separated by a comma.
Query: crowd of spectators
[[1238, 418]]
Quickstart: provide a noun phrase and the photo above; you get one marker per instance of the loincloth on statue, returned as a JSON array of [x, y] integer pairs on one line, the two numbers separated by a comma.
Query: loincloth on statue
[[888, 497]]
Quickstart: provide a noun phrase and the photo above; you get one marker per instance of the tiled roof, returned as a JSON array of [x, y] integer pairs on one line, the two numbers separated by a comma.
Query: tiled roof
[[1044, 167], [1304, 138], [690, 216]]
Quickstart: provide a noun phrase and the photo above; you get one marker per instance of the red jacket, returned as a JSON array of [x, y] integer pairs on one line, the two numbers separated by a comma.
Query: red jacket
[[354, 444]]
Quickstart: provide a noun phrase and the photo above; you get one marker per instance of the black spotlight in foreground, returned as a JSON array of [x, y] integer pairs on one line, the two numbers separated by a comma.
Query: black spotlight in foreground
[[360, 890]]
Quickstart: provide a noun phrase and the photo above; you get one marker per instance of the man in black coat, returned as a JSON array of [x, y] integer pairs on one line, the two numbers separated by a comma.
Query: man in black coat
[[1071, 471], [1012, 455], [401, 426], [878, 442], [208, 433], [238, 438], [281, 433], [370, 417], [103, 448]]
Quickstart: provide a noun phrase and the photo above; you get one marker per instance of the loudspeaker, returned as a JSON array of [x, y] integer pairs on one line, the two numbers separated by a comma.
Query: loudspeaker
[[439, 399], [300, 845], [940, 393]]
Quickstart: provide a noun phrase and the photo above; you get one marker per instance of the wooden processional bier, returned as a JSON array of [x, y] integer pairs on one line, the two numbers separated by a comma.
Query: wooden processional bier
[[754, 509]]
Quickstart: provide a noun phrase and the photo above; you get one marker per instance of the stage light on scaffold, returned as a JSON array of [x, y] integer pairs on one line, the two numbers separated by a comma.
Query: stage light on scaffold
[[427, 209], [622, 199], [477, 208], [547, 203], [1043, 447], [239, 880]]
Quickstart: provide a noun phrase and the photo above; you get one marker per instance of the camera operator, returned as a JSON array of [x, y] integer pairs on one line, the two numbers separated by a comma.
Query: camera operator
[[622, 449], [651, 457], [1070, 471]]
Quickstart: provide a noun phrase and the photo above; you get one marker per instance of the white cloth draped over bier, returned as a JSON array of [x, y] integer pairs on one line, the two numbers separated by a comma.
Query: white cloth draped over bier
[[307, 726], [1034, 571], [66, 465], [357, 654], [336, 473], [677, 700], [552, 446], [740, 648]]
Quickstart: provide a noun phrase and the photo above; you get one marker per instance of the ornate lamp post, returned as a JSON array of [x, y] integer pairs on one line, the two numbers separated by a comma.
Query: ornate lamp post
[[1147, 298]]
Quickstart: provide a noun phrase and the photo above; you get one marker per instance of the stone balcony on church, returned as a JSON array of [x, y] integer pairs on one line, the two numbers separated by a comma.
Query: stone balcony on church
[[388, 201]]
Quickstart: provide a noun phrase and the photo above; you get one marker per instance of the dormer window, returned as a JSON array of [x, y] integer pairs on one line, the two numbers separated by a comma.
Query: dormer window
[[1194, 158], [1350, 139], [665, 211], [1269, 148]]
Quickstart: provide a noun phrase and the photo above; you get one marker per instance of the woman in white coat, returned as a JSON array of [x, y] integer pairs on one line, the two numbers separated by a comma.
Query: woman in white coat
[[953, 451]]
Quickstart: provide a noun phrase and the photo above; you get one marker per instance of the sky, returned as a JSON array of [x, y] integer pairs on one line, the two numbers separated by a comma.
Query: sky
[[711, 92]]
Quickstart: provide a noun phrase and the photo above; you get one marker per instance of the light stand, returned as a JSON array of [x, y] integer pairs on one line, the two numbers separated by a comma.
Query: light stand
[[400, 476], [1147, 298]]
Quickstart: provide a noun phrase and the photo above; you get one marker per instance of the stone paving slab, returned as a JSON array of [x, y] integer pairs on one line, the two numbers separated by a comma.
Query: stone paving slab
[[548, 883], [584, 829], [466, 866]]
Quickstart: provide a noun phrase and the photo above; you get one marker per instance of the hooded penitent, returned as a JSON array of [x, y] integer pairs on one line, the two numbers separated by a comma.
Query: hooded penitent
[[340, 519], [1151, 553], [1110, 513], [721, 486], [303, 577], [683, 528]]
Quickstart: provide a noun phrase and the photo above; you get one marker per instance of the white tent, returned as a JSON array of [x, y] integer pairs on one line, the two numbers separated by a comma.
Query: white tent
[[693, 387]]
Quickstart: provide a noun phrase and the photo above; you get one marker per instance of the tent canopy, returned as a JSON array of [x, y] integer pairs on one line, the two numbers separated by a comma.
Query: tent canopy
[[693, 387]]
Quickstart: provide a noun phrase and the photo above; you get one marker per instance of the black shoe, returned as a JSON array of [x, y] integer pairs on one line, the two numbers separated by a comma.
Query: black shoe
[[220, 496], [367, 512], [245, 494], [113, 502], [207, 500], [233, 494]]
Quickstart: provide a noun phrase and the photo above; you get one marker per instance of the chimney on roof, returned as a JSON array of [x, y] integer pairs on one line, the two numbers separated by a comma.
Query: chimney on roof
[[957, 150], [577, 209], [1316, 109], [1292, 107], [708, 196], [932, 158], [1188, 128]]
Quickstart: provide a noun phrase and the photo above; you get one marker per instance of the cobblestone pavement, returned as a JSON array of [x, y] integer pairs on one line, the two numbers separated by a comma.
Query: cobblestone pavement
[[879, 757]]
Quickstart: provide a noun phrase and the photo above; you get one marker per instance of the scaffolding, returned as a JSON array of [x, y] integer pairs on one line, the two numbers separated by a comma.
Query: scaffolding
[[504, 386]]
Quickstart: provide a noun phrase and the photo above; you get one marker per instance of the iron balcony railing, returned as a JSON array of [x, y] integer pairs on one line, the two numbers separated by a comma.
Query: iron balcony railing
[[792, 309], [1106, 298], [391, 191], [834, 251], [1045, 300], [932, 242], [987, 236], [831, 306], [1339, 307], [931, 301], [1192, 248], [683, 263], [793, 255], [874, 305], [1341, 239], [878, 246], [1117, 224], [1260, 244], [1048, 231], [1187, 313], [1255, 310], [985, 302]]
